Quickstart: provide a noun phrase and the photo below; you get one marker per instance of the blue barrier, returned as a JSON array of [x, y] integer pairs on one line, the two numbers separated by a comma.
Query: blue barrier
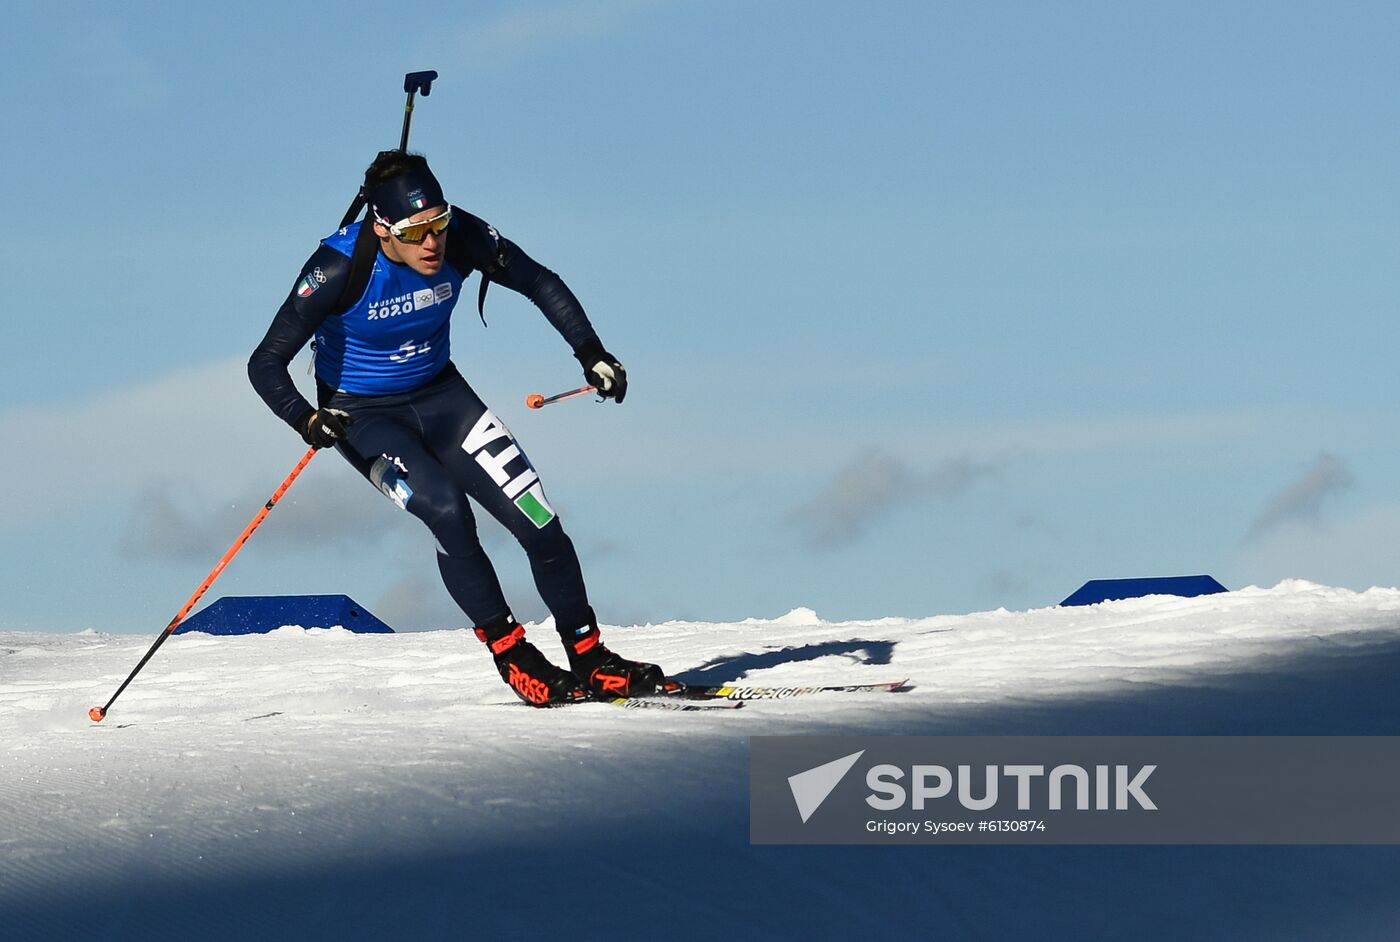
[[1107, 590], [259, 614]]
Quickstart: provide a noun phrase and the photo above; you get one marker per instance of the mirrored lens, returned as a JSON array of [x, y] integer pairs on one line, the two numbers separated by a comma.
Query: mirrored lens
[[418, 231]]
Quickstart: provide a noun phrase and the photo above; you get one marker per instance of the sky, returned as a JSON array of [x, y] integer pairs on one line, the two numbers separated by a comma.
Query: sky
[[927, 308]]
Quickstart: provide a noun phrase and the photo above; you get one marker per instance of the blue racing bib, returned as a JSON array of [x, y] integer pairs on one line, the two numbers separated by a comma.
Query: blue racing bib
[[396, 336]]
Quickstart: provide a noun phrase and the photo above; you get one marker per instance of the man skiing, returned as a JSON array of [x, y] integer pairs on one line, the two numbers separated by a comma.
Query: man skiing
[[390, 400]]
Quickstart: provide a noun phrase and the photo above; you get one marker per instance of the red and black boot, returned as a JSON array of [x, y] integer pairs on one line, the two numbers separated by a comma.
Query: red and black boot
[[533, 678], [607, 674]]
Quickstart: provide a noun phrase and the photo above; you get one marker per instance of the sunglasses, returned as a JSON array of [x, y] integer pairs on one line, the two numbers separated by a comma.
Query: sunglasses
[[415, 232]]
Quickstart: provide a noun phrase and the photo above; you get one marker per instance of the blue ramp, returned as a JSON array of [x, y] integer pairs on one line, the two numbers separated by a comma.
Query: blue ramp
[[1107, 590], [259, 614]]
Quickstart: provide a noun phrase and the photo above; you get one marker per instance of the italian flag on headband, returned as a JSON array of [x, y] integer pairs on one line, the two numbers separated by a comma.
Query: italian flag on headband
[[419, 202]]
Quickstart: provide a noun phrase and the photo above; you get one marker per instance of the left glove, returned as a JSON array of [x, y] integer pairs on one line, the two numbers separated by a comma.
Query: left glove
[[603, 370], [324, 427]]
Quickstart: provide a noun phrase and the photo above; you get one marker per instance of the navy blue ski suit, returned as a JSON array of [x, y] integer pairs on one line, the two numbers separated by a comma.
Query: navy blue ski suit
[[420, 433]]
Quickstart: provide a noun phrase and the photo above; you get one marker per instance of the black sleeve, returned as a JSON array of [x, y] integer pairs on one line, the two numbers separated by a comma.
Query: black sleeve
[[313, 298], [505, 263]]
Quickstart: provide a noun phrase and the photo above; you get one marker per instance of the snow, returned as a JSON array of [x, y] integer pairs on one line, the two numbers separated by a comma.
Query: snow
[[317, 783]]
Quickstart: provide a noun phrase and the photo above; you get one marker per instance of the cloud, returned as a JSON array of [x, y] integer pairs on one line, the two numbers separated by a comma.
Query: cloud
[[874, 485], [191, 457], [160, 528], [323, 511], [417, 601], [1302, 500], [538, 30], [1004, 583], [202, 427], [1356, 550]]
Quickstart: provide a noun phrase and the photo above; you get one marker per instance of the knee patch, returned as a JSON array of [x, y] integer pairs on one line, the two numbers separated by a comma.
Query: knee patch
[[389, 475]]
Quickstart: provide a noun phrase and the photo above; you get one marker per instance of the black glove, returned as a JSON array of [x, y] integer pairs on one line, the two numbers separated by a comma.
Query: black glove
[[322, 428], [602, 370]]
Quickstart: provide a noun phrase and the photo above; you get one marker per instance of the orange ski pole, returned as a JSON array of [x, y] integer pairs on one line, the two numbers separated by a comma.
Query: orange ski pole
[[536, 401], [97, 714]]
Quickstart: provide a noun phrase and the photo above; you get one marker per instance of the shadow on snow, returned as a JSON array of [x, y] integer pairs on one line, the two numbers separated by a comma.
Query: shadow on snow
[[737, 666], [680, 865]]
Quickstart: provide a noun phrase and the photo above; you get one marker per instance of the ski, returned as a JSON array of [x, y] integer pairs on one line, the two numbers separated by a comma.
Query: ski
[[671, 697], [737, 693], [667, 702], [676, 695]]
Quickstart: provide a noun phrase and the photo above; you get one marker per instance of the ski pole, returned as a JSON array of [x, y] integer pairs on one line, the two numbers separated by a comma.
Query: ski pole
[[536, 401], [97, 714]]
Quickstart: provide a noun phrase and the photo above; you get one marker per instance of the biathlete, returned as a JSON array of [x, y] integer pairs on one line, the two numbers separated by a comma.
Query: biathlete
[[390, 400]]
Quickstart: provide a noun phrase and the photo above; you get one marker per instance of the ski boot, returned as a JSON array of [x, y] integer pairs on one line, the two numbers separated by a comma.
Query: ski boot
[[604, 673], [533, 678]]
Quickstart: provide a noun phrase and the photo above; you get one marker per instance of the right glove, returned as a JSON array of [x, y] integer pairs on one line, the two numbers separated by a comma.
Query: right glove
[[322, 428], [602, 370]]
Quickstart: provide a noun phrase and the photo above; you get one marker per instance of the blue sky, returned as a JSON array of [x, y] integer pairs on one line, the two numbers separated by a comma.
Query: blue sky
[[927, 308]]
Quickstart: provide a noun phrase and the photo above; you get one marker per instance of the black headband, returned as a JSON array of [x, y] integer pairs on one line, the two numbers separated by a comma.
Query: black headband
[[408, 193]]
